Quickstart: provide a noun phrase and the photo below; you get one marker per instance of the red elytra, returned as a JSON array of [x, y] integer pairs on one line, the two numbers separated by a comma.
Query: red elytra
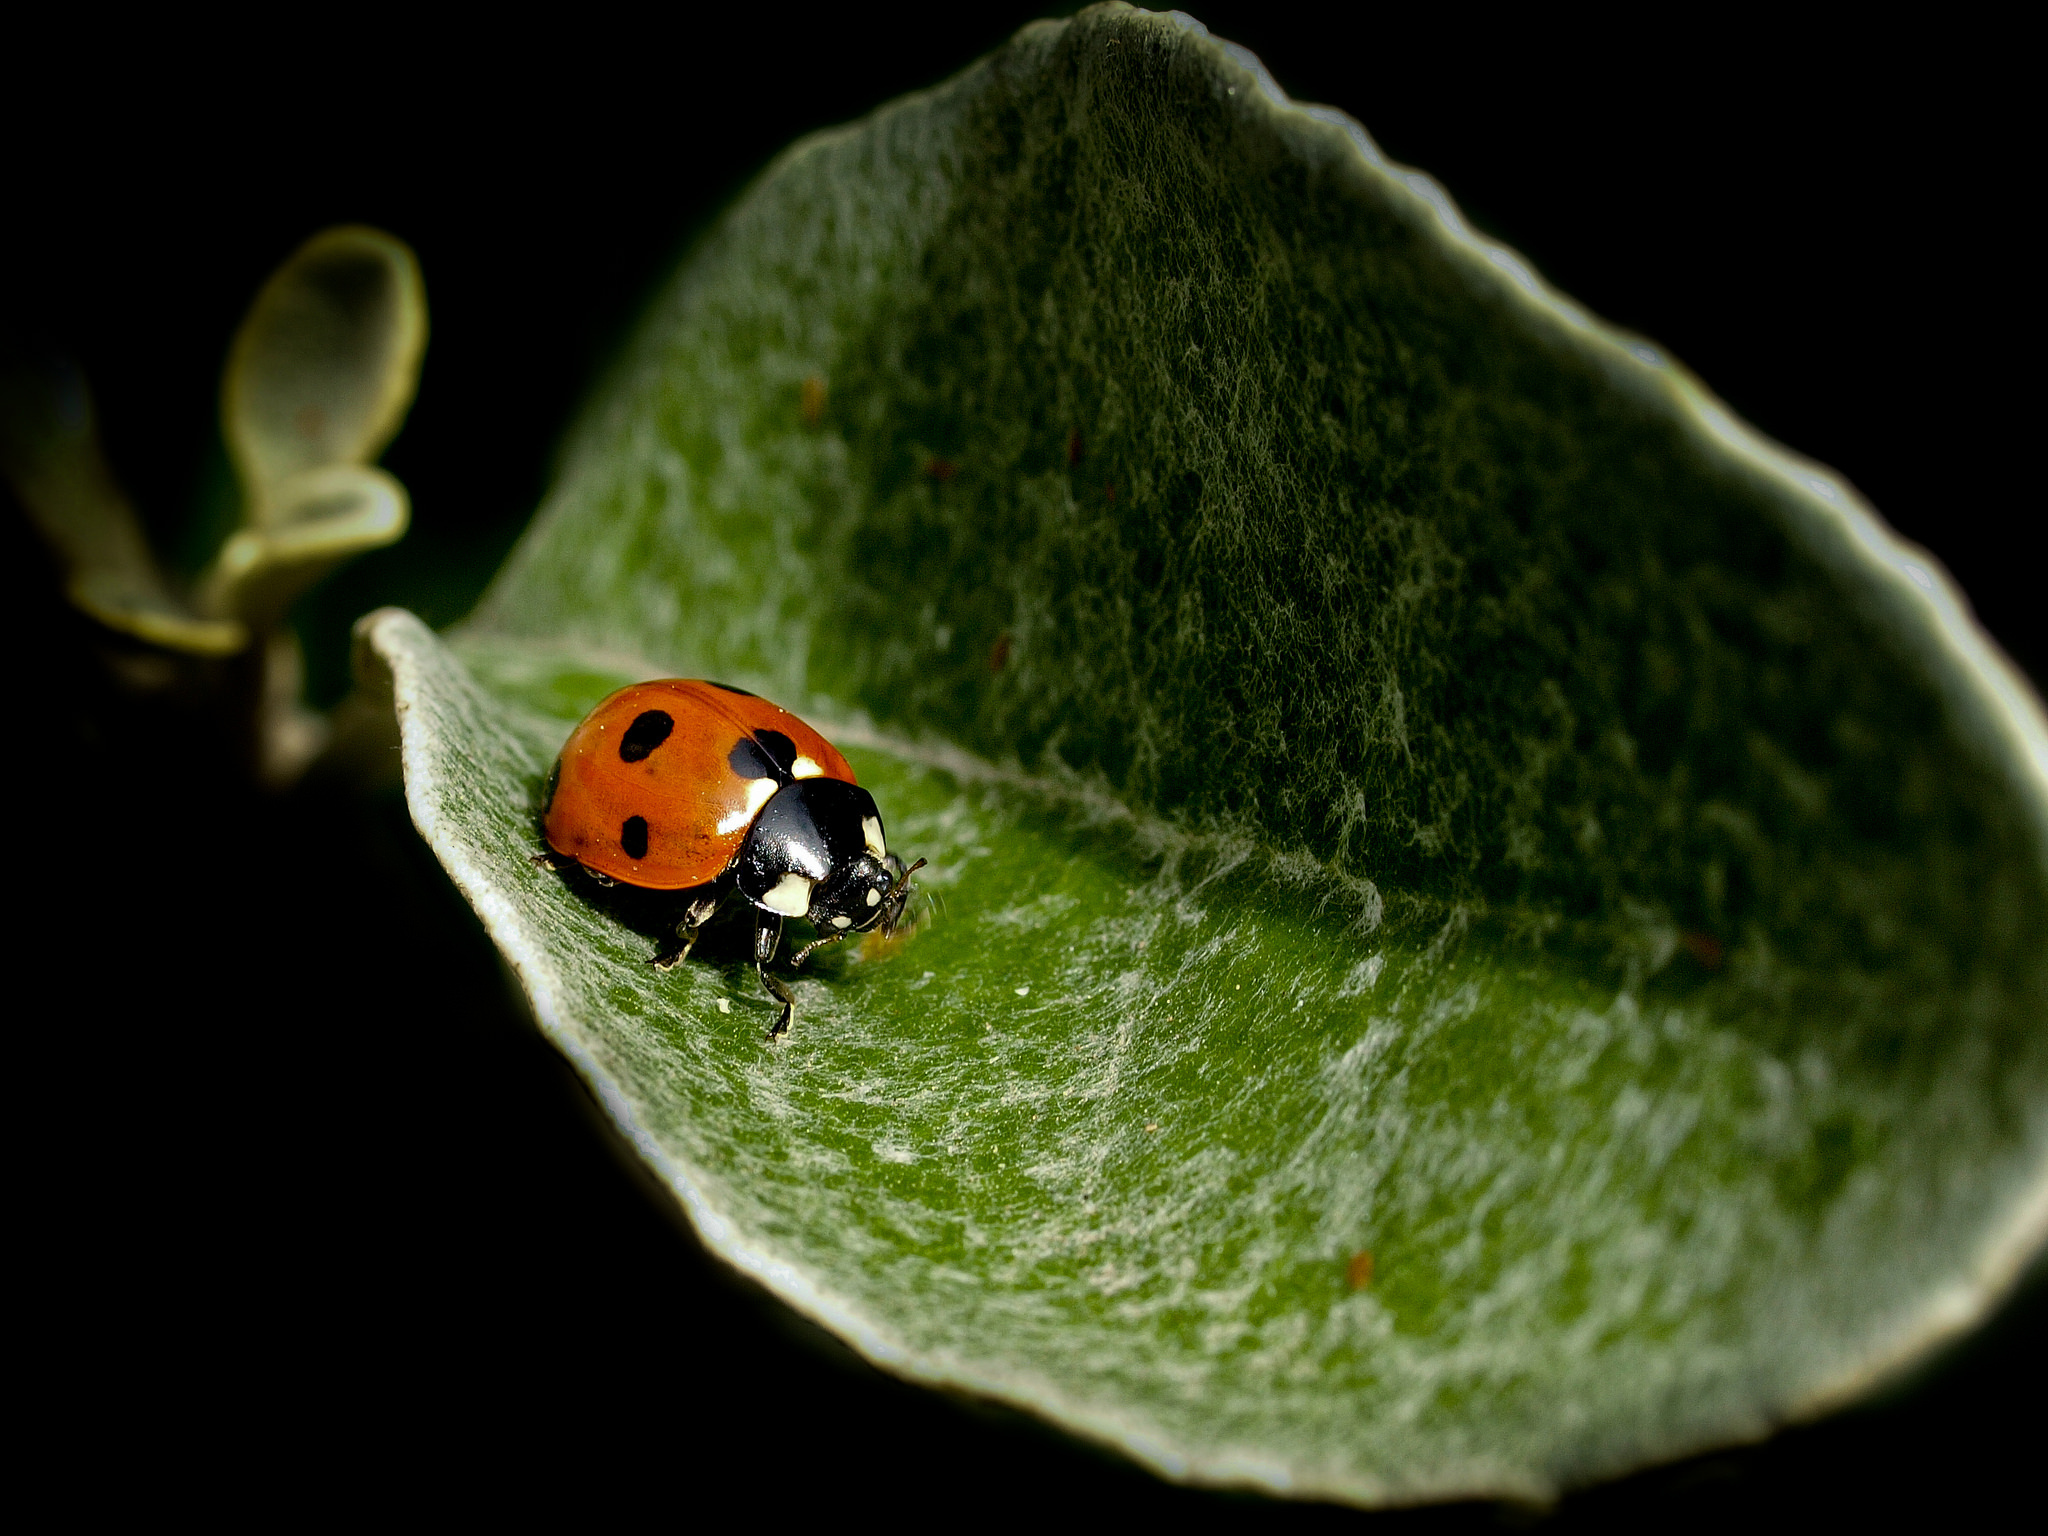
[[667, 806]]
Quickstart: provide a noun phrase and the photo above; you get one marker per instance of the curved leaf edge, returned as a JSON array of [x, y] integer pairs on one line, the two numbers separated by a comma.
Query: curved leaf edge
[[1992, 699], [1999, 704]]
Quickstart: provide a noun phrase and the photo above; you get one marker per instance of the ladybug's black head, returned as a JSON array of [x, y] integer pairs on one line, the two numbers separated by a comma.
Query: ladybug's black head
[[858, 898], [817, 851]]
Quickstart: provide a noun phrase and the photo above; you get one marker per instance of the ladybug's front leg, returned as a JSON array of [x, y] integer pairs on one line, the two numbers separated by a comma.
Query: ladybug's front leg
[[804, 954], [768, 934]]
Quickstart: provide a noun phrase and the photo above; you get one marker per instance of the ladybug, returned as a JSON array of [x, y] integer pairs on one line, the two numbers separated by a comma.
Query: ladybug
[[702, 788]]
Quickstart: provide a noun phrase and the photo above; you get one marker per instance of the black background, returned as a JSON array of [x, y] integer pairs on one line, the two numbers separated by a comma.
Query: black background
[[307, 1211]]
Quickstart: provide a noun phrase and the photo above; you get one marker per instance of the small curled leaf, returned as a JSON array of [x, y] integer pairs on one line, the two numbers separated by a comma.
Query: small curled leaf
[[50, 450], [325, 365]]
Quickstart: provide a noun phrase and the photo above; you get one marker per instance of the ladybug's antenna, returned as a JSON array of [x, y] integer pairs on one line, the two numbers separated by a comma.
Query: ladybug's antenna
[[903, 879], [892, 904]]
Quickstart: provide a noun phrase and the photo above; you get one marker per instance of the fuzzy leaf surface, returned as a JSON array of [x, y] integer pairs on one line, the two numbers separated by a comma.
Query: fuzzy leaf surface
[[1404, 776]]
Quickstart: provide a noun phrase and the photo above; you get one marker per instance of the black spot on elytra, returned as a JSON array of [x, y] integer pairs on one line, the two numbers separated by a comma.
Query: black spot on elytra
[[633, 837], [728, 687], [547, 794], [647, 732], [749, 761], [763, 755]]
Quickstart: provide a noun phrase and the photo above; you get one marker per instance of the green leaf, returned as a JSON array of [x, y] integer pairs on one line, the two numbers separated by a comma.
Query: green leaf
[[1404, 774], [50, 451], [320, 375], [319, 378], [325, 364]]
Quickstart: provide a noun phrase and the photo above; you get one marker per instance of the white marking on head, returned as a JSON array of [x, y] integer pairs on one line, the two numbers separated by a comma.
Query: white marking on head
[[842, 922], [805, 768], [791, 896], [759, 793], [871, 832], [874, 897]]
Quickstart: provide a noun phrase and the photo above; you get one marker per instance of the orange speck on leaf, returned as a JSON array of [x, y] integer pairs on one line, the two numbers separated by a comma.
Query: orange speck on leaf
[[878, 945], [1109, 491], [1703, 947], [999, 654], [1358, 1273], [940, 470], [813, 401]]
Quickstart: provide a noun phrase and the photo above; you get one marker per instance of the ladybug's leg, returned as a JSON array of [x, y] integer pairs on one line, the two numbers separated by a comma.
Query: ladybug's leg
[[695, 916], [563, 864], [768, 934], [804, 954]]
